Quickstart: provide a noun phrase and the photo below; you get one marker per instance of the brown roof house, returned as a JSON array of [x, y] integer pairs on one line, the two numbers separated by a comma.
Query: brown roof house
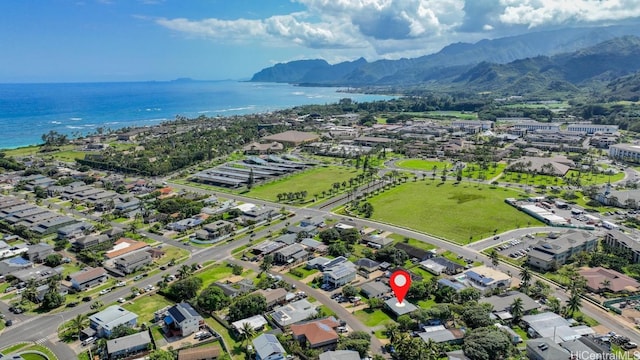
[[317, 333], [600, 279], [256, 148], [88, 277], [274, 297]]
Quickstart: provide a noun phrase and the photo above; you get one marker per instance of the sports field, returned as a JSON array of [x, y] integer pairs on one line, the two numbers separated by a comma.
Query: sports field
[[454, 212], [425, 165], [313, 181]]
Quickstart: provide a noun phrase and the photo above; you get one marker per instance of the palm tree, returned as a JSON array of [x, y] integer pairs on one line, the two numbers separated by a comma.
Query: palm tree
[[392, 330], [525, 275], [495, 261], [78, 324], [575, 303], [247, 332], [185, 271], [517, 309], [554, 305]]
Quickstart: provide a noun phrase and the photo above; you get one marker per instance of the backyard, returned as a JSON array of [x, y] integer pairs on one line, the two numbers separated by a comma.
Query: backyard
[[458, 212]]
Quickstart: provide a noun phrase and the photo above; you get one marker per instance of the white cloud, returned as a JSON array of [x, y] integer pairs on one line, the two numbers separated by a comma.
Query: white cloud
[[536, 13], [396, 28]]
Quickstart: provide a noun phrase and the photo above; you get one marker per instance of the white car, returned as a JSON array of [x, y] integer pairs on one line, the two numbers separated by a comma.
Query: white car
[[121, 300], [105, 291], [121, 284]]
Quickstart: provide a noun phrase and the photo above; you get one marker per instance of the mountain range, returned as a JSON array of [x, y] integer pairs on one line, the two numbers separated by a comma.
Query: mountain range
[[559, 60]]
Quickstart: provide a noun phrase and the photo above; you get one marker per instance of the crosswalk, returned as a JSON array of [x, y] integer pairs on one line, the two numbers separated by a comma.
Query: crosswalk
[[42, 341]]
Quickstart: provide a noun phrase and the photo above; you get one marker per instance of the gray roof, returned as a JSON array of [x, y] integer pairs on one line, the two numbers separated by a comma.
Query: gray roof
[[293, 312], [367, 263], [290, 250], [441, 336], [565, 242], [551, 325], [266, 345], [112, 316], [503, 302], [547, 349], [340, 355], [405, 308], [181, 311], [128, 342], [375, 288]]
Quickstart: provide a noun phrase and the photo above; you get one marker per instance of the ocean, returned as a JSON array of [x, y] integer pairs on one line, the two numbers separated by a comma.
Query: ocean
[[27, 111]]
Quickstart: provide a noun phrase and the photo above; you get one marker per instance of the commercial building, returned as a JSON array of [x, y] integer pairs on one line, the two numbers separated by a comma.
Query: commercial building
[[593, 128], [622, 241], [486, 279], [552, 253], [630, 152]]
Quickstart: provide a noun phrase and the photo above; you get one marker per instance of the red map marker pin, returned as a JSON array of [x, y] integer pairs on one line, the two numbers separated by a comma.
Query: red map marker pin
[[400, 282]]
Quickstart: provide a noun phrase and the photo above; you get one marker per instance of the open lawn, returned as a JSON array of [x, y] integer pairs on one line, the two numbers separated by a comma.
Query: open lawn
[[454, 212], [213, 274], [413, 242], [425, 165], [476, 171], [69, 155], [313, 181], [172, 253], [146, 305], [548, 180], [233, 346], [22, 151], [373, 318]]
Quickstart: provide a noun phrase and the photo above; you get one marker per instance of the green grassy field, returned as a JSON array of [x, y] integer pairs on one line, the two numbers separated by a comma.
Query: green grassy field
[[426, 165], [146, 305], [474, 171], [313, 181], [214, 274], [548, 180], [373, 318], [454, 212], [68, 155], [453, 114]]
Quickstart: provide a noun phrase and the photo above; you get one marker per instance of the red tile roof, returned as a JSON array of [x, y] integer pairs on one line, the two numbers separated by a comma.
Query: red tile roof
[[317, 332]]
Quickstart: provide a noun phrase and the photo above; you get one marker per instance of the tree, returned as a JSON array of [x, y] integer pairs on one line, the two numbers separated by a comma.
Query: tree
[[122, 330], [517, 309], [359, 341], [246, 306], [349, 291], [159, 354], [185, 271], [476, 315], [487, 343], [53, 260], [212, 299], [247, 332], [574, 304], [554, 305], [525, 275], [78, 323], [184, 289], [495, 260], [267, 263], [251, 180], [469, 294]]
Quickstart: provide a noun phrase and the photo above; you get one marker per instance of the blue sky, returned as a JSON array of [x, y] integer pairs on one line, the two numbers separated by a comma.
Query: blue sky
[[130, 40]]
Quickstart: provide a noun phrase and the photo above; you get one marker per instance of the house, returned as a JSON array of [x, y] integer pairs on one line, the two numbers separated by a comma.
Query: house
[[38, 252], [257, 323], [267, 247], [502, 303], [128, 345], [317, 221], [441, 265], [376, 241], [367, 265], [256, 148], [340, 355], [487, 279], [131, 262], [88, 277], [414, 252], [600, 279], [291, 254], [258, 213], [273, 296], [41, 274], [235, 289], [292, 313], [398, 309], [375, 289], [455, 285], [215, 230], [268, 347], [89, 241], [317, 262], [340, 274], [314, 246], [551, 325], [183, 319], [124, 246], [552, 253], [297, 229], [287, 239], [442, 336], [317, 334], [103, 322], [200, 353], [546, 349], [74, 230]]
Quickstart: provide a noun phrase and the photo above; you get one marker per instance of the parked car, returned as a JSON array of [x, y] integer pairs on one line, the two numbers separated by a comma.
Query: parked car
[[86, 298], [121, 300], [138, 277], [105, 291]]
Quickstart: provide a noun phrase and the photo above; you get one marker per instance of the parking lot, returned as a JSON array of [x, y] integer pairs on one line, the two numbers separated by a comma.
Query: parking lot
[[517, 248]]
